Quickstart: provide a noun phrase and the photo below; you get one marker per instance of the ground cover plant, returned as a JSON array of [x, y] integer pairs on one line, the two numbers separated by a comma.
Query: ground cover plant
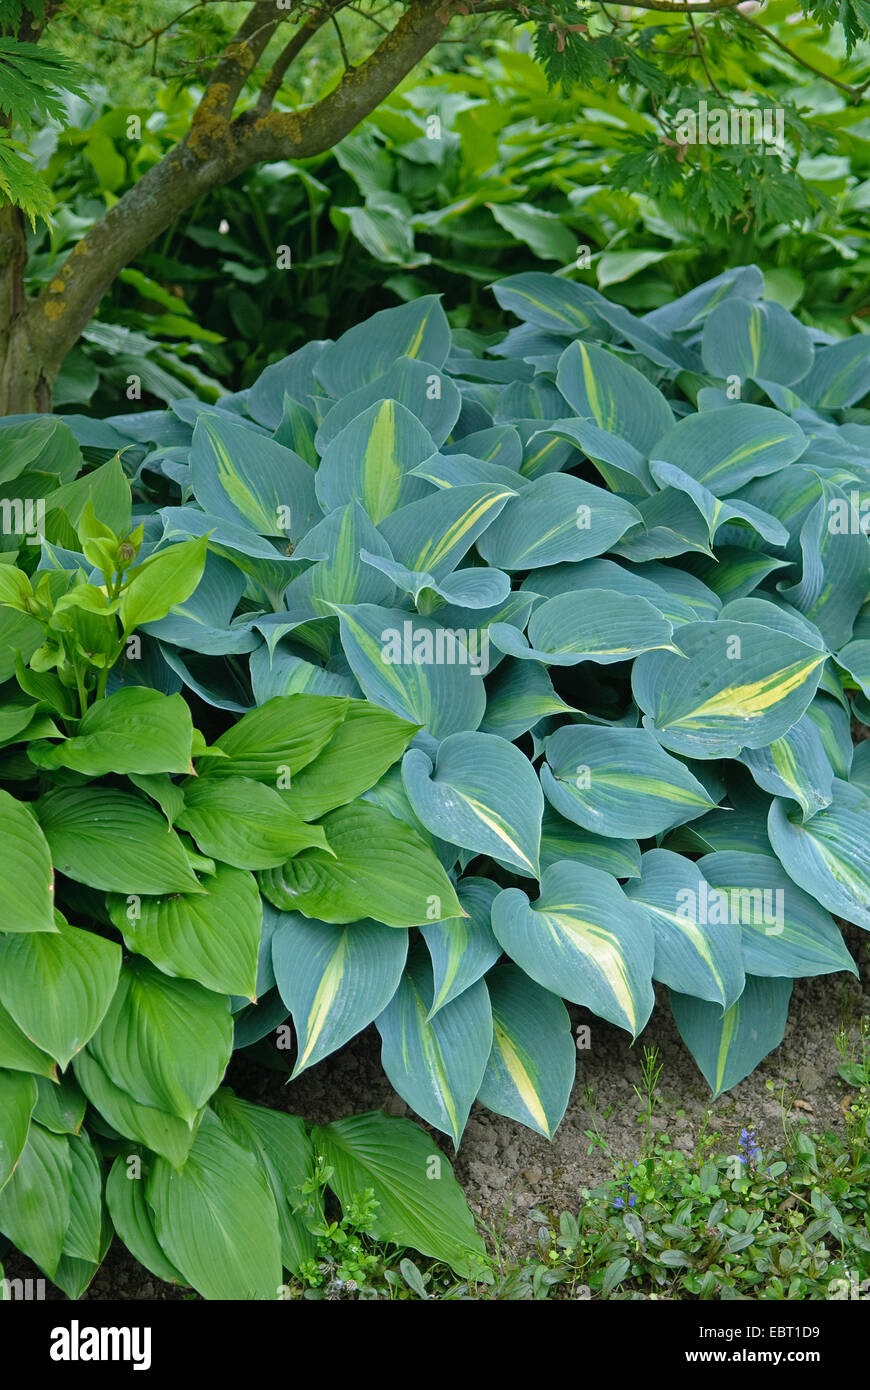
[[430, 682]]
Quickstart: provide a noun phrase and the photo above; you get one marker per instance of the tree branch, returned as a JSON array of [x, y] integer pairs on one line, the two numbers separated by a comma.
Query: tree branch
[[855, 92]]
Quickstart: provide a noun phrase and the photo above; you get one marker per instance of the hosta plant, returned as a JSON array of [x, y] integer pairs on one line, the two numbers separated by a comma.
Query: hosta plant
[[523, 670]]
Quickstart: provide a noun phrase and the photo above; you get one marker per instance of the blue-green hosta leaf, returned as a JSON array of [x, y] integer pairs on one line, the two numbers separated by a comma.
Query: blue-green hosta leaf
[[462, 948], [670, 524], [784, 932], [500, 444], [18, 1096], [607, 574], [422, 389], [600, 625], [418, 1203], [623, 467], [379, 868], [35, 1202], [531, 1066], [839, 377], [518, 695], [582, 939], [417, 330], [549, 302], [334, 979], [28, 890], [482, 794], [771, 611], [715, 512], [690, 310], [477, 587], [855, 658], [602, 388], [293, 376], [729, 1046], [457, 470], [664, 352], [249, 479], [166, 1042], [829, 854], [58, 985], [743, 686], [757, 341], [204, 622], [436, 1062], [422, 671], [434, 535], [723, 449], [795, 766], [734, 573], [693, 954], [217, 1219], [836, 571], [557, 517], [281, 673], [371, 459], [619, 782], [562, 839], [210, 937]]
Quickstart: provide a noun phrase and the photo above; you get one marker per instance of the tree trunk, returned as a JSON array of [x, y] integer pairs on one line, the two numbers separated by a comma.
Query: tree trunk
[[23, 384]]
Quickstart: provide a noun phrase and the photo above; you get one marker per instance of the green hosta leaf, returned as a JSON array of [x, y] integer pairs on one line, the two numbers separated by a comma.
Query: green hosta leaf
[[482, 794], [125, 1198], [743, 686], [133, 730], [217, 1220], [18, 1053], [582, 939], [729, 1046], [597, 625], [436, 1063], [35, 1203], [211, 937], [165, 579], [692, 954], [419, 1202], [18, 1097], [278, 739], [281, 1146], [783, 931], [145, 1124], [364, 746], [425, 673], [58, 986], [723, 449], [60, 1107], [829, 854], [556, 518], [543, 232], [28, 890], [371, 459], [245, 477], [761, 341], [796, 765], [114, 841], [82, 1240], [562, 839], [462, 948], [245, 823], [416, 330], [166, 1042], [530, 1070], [381, 869], [616, 397], [619, 782], [334, 980]]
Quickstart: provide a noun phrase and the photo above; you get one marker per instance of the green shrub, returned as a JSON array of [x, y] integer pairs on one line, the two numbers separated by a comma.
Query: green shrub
[[516, 632]]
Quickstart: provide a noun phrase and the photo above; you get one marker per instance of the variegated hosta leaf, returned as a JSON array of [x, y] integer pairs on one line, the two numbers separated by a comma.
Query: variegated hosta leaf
[[371, 459], [409, 382], [414, 666], [433, 535], [245, 477], [840, 375], [462, 948], [476, 587], [622, 579], [716, 512], [482, 794], [559, 306], [618, 398], [531, 1067], [783, 931], [436, 1062], [519, 694], [619, 782], [742, 686], [334, 980], [759, 341], [555, 518], [339, 574], [723, 449], [669, 524], [729, 1046], [582, 939], [855, 658], [836, 563], [598, 625], [418, 329], [795, 766], [829, 855], [696, 953], [562, 839]]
